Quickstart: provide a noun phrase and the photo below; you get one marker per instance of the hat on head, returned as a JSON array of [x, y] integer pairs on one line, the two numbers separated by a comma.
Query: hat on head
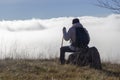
[[76, 20]]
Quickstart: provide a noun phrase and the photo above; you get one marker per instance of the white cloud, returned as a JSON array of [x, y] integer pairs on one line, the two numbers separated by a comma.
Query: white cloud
[[22, 38]]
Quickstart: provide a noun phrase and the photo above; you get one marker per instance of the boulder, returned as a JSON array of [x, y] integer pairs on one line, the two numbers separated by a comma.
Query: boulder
[[89, 56]]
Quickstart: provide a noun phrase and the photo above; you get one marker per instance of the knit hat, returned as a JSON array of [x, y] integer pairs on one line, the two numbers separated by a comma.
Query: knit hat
[[76, 20]]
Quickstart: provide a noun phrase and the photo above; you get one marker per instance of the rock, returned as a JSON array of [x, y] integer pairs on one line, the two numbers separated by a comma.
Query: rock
[[84, 57]]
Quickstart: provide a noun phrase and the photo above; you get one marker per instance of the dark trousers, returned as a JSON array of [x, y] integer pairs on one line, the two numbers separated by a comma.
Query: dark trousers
[[62, 53]]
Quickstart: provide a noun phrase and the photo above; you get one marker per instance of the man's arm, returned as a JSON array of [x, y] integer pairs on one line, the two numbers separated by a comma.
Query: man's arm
[[66, 34]]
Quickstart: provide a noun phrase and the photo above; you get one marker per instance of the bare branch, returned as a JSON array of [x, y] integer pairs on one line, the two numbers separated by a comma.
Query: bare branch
[[113, 5]]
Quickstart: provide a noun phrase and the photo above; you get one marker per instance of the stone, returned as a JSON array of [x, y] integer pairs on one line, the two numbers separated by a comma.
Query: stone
[[84, 57]]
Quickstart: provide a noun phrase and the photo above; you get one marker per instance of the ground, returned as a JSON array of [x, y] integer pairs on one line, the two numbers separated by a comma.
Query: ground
[[11, 69]]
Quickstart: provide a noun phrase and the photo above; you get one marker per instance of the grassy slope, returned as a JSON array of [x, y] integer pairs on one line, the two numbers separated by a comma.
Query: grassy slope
[[52, 70]]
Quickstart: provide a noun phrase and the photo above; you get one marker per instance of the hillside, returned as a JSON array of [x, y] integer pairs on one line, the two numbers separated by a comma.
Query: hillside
[[52, 70]]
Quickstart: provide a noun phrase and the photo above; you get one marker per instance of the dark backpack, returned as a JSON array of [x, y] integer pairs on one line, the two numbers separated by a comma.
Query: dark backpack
[[82, 37]]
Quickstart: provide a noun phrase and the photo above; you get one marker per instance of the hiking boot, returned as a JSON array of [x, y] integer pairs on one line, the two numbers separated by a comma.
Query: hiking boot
[[62, 62]]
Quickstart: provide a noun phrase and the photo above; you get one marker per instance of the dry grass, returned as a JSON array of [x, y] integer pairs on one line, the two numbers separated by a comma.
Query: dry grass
[[52, 70]]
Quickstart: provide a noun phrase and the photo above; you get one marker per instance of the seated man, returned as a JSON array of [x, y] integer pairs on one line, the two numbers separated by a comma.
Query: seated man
[[78, 36]]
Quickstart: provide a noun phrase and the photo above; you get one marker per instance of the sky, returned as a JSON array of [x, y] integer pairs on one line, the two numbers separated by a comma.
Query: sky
[[44, 9]]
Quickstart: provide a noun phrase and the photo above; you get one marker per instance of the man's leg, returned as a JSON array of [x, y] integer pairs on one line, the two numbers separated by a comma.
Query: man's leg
[[62, 53]]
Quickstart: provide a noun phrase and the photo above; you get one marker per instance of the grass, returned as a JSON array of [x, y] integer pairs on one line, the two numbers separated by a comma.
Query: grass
[[52, 70]]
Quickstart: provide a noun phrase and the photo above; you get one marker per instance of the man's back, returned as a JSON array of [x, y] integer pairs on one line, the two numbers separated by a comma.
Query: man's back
[[82, 37], [76, 34], [71, 34]]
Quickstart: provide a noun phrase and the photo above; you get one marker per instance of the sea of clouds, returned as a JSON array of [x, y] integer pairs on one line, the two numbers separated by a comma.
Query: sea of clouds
[[41, 38]]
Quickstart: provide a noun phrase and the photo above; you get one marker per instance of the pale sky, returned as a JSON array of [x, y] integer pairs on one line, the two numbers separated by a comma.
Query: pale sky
[[44, 9]]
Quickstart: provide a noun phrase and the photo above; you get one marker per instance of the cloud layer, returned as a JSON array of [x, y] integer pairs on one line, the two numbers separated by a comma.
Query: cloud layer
[[41, 38]]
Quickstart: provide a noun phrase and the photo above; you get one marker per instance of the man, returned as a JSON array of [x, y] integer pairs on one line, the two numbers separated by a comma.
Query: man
[[73, 35]]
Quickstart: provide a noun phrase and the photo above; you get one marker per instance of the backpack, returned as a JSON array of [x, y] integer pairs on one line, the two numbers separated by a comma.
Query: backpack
[[82, 37]]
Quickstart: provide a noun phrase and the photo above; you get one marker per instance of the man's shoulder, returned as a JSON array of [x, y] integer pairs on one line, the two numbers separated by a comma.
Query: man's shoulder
[[71, 28]]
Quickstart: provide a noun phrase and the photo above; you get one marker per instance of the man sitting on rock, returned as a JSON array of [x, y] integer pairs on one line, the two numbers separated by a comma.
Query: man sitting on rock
[[78, 37]]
